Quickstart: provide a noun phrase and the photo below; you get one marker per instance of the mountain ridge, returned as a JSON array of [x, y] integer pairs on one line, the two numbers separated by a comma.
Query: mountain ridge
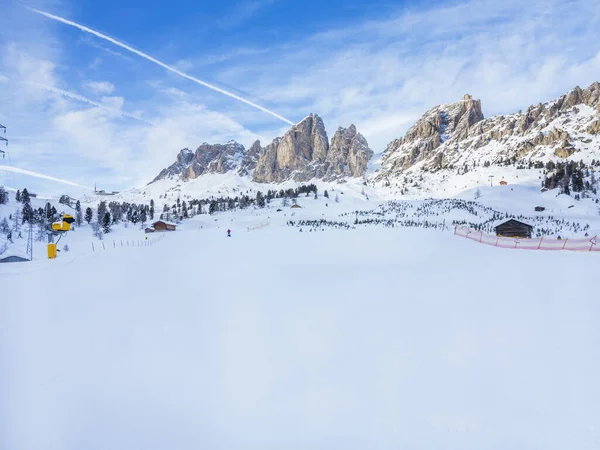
[[450, 138]]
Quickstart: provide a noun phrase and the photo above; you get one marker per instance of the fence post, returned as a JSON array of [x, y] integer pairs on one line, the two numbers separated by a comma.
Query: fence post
[[121, 243], [481, 236], [540, 244], [103, 245], [114, 245], [565, 244], [497, 240], [93, 249]]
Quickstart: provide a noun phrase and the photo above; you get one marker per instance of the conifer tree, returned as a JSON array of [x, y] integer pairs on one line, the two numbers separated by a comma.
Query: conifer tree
[[88, 215], [18, 196], [78, 217], [4, 227], [101, 210], [213, 207], [25, 198], [260, 199], [27, 214], [106, 222]]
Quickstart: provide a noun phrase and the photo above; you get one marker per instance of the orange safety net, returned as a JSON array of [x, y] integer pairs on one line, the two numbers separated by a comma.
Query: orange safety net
[[588, 244]]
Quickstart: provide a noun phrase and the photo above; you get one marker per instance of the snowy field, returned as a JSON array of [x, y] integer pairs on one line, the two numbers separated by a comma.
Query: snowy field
[[371, 338]]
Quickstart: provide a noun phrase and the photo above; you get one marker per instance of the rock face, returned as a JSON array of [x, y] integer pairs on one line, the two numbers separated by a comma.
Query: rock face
[[594, 127], [304, 153], [454, 135], [349, 154], [250, 159], [184, 159], [301, 154], [438, 125], [208, 158]]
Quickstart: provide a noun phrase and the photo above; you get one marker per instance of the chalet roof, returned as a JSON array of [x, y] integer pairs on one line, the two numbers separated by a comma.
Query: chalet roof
[[497, 223], [165, 222]]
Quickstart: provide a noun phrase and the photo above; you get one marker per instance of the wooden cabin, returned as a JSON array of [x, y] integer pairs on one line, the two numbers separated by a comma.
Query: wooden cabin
[[503, 183], [162, 225], [514, 228]]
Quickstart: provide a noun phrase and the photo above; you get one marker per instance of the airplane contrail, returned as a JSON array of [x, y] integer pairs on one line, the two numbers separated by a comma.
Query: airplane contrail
[[160, 63], [41, 175], [83, 99]]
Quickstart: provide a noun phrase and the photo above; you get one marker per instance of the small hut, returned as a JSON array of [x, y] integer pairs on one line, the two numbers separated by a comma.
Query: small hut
[[295, 206], [162, 225], [13, 258], [503, 183], [514, 228]]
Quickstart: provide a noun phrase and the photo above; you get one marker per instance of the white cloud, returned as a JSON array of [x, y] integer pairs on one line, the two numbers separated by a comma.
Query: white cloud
[[100, 87], [379, 74], [509, 54]]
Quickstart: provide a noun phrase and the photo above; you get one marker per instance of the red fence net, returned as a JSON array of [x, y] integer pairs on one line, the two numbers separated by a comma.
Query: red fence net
[[588, 244]]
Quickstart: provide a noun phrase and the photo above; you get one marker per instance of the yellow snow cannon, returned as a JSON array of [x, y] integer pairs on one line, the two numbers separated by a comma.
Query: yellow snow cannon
[[64, 225]]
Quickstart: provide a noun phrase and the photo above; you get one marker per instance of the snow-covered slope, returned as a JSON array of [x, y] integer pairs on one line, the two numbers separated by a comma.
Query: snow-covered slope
[[453, 140], [279, 339]]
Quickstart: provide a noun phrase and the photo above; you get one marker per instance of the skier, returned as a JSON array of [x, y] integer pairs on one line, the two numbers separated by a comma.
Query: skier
[[228, 233]]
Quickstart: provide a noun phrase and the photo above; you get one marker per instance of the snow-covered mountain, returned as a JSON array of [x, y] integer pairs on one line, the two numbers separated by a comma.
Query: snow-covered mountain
[[206, 159], [451, 148], [457, 138], [303, 153]]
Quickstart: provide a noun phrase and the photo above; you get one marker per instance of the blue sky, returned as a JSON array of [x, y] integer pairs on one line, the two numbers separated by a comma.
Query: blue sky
[[83, 110]]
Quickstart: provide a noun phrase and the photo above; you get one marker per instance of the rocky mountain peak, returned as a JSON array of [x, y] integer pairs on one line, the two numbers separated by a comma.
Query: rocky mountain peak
[[208, 158], [250, 159], [301, 154], [304, 153], [294, 155], [442, 123], [349, 154], [447, 136]]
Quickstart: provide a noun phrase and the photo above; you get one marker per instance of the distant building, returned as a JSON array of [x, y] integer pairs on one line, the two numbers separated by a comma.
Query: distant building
[[103, 192], [67, 200], [503, 183], [162, 225], [514, 228], [296, 206]]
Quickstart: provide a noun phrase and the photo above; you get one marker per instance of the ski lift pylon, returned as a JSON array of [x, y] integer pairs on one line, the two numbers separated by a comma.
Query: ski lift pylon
[[2, 127]]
